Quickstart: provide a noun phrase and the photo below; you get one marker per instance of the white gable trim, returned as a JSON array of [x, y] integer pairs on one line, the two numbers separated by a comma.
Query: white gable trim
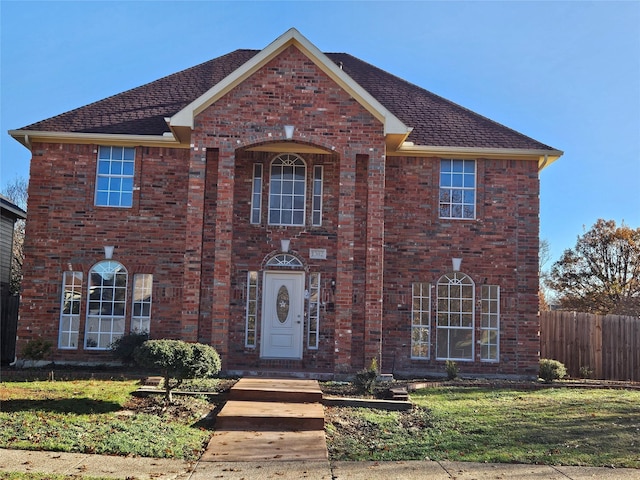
[[185, 117]]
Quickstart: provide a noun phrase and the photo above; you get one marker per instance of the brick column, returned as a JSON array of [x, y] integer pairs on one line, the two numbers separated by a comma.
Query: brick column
[[374, 260], [223, 250], [193, 245], [344, 274]]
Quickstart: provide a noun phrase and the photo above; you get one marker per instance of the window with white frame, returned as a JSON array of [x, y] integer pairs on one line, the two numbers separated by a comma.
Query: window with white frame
[[420, 320], [141, 304], [316, 207], [106, 306], [490, 323], [256, 195], [457, 189], [314, 311], [455, 317], [114, 182], [70, 310], [287, 190], [252, 310]]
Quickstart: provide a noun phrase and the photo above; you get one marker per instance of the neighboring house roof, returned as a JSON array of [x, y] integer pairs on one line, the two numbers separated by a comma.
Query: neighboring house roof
[[11, 210], [430, 120]]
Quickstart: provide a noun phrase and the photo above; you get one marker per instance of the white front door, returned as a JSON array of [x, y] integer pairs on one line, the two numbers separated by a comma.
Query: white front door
[[282, 315]]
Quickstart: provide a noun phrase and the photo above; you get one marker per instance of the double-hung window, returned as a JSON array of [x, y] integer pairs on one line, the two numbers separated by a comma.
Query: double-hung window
[[457, 189], [420, 320], [141, 307], [114, 182], [70, 310], [490, 323]]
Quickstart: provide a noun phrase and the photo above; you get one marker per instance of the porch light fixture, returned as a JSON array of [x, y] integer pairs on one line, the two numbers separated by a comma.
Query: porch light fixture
[[108, 251], [456, 264], [284, 245], [288, 131]]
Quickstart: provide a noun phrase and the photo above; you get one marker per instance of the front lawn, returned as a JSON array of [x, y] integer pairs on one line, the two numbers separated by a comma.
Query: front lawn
[[549, 426], [95, 416]]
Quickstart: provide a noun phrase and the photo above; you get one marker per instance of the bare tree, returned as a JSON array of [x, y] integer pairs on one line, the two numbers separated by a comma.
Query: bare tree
[[16, 191], [544, 256], [602, 273]]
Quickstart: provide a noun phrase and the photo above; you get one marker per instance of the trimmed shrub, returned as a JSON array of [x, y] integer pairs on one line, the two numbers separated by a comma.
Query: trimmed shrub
[[177, 361], [124, 347], [551, 370], [37, 349]]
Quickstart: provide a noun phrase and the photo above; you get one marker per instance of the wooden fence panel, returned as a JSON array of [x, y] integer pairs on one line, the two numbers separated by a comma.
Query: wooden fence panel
[[608, 345]]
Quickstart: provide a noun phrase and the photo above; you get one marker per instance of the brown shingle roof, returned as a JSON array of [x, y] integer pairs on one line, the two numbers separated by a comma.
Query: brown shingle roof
[[142, 110]]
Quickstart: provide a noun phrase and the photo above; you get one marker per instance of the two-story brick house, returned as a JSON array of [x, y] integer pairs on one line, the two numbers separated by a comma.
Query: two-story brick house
[[301, 212]]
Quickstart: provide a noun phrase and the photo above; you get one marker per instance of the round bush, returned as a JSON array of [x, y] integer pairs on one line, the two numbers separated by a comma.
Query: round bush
[[551, 370]]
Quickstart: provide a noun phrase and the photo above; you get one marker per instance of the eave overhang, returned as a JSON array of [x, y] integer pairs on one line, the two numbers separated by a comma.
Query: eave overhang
[[28, 137], [542, 156], [183, 122]]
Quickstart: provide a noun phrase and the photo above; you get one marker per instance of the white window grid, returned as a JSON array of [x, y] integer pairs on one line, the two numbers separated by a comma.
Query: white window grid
[[455, 317], [316, 207], [70, 310], [490, 323], [114, 179], [141, 303], [106, 306], [421, 320], [287, 190], [252, 310], [256, 195], [457, 189], [284, 260], [313, 339]]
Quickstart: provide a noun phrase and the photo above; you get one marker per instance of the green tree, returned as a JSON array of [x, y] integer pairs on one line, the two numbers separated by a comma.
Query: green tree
[[601, 274], [16, 191], [177, 361]]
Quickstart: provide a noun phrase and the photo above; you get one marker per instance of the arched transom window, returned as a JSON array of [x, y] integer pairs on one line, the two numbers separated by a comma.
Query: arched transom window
[[107, 304], [287, 190]]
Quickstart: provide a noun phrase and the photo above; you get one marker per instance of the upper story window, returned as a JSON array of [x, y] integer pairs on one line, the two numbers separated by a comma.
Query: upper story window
[[287, 190], [114, 182], [457, 189]]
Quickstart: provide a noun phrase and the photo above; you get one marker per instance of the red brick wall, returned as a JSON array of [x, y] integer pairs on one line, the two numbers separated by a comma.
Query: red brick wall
[[66, 231], [290, 90], [500, 248], [189, 227]]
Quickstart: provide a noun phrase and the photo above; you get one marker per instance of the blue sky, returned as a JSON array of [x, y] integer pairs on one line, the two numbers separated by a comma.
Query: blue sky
[[564, 73]]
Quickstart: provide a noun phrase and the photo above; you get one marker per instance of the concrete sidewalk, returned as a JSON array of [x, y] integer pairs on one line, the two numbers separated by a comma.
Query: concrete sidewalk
[[150, 468]]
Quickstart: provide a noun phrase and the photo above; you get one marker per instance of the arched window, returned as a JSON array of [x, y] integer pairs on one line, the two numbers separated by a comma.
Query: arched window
[[455, 317], [284, 260], [287, 190], [107, 304]]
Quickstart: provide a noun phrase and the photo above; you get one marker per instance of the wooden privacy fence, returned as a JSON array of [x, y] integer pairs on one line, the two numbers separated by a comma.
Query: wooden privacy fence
[[607, 345]]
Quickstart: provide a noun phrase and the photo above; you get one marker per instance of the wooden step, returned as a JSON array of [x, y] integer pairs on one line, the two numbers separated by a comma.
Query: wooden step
[[246, 415], [264, 446], [276, 390]]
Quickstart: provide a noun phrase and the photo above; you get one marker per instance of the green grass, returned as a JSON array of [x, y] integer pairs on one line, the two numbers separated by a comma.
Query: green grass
[[549, 426], [90, 417]]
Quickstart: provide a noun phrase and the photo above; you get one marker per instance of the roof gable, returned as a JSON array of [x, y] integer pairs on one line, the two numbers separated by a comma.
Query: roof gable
[[185, 118]]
